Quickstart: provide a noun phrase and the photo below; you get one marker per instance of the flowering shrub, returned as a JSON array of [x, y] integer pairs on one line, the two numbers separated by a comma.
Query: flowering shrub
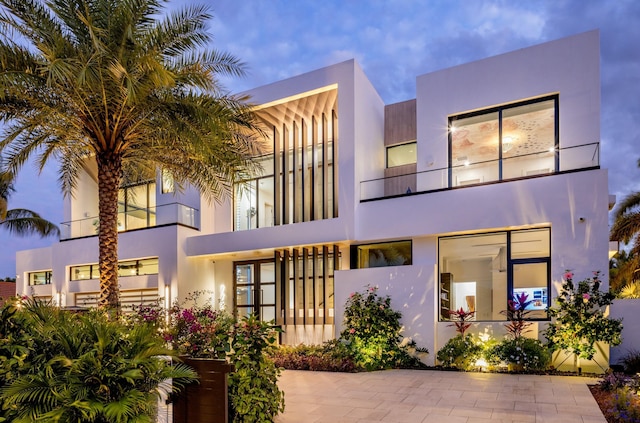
[[460, 352], [372, 333], [193, 327], [580, 321], [523, 353], [200, 331]]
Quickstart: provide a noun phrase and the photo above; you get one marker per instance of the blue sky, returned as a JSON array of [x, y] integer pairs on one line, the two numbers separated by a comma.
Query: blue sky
[[394, 41]]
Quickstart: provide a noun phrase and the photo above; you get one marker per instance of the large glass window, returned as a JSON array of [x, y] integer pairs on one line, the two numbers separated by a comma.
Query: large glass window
[[254, 199], [505, 142], [40, 278], [137, 206], [396, 253], [402, 154], [480, 273], [148, 266]]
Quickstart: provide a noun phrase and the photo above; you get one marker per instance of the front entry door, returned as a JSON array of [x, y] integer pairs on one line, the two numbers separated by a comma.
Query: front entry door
[[255, 286]]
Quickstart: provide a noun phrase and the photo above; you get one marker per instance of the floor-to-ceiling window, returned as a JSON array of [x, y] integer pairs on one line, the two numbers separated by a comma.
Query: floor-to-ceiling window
[[482, 272], [137, 206], [505, 142], [299, 180]]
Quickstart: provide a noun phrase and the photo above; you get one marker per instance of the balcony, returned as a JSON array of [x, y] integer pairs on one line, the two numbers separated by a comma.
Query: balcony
[[543, 163], [168, 214]]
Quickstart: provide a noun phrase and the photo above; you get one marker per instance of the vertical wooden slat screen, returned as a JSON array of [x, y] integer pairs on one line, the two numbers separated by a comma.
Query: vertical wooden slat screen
[[286, 196], [326, 281], [319, 289], [280, 289], [306, 174], [314, 165], [277, 174], [289, 290], [295, 174], [307, 274], [325, 167], [334, 160]]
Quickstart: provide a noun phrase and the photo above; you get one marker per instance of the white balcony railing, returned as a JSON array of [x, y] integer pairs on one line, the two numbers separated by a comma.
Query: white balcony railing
[[168, 214], [536, 164]]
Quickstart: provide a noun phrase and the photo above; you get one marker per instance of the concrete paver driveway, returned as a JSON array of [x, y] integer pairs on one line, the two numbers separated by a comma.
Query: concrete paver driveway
[[423, 396]]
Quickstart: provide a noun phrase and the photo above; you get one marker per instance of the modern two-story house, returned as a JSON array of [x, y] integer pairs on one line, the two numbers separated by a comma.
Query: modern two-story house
[[486, 185]]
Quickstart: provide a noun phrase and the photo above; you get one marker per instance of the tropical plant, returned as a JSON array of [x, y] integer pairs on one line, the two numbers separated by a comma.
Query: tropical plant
[[579, 319], [461, 352], [373, 333], [461, 319], [253, 390], [84, 368], [517, 313], [630, 291], [626, 228], [522, 353], [21, 221], [128, 88]]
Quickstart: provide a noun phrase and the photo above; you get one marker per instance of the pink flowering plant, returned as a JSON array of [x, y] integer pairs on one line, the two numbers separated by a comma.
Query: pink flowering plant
[[197, 329], [579, 319], [193, 327]]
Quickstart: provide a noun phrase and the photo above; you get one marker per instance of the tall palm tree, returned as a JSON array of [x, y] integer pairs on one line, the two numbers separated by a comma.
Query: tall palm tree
[[626, 228], [21, 221], [128, 85]]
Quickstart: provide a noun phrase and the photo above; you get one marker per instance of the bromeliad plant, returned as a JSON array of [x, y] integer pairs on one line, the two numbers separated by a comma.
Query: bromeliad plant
[[580, 320]]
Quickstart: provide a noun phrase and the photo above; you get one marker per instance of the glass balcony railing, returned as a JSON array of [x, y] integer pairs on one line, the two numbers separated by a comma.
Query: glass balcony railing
[[541, 163], [168, 214]]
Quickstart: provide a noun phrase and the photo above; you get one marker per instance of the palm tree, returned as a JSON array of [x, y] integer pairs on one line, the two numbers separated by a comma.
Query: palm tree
[[626, 228], [21, 221], [124, 84]]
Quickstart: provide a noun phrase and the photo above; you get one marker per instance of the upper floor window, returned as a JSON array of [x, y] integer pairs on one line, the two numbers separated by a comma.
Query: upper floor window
[[396, 253], [40, 278], [402, 154], [504, 142], [137, 206]]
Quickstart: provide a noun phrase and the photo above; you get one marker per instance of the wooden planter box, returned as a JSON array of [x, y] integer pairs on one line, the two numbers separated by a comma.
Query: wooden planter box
[[208, 400]]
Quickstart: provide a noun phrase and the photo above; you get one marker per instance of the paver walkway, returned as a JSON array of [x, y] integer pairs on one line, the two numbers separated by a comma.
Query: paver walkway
[[412, 396]]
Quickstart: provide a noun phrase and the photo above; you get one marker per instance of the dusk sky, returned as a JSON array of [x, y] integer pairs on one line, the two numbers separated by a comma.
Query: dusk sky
[[395, 41]]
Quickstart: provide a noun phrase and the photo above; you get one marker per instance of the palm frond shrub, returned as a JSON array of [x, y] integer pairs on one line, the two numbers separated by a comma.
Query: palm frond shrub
[[82, 368]]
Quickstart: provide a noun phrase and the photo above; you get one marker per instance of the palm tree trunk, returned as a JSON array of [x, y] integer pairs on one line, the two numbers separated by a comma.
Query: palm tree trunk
[[109, 174]]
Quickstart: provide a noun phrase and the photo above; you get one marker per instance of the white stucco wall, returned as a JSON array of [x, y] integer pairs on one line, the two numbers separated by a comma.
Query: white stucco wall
[[627, 310], [569, 66]]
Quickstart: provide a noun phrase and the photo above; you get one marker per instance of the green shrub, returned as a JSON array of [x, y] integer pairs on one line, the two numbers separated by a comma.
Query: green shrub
[[460, 352], [580, 320], [85, 368], [525, 353], [253, 390], [631, 362], [332, 356], [372, 333]]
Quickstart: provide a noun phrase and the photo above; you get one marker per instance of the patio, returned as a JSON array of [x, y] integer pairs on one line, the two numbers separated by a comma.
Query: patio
[[423, 396]]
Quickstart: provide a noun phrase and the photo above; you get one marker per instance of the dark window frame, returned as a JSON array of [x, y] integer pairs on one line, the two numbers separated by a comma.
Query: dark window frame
[[354, 256], [510, 264], [500, 109]]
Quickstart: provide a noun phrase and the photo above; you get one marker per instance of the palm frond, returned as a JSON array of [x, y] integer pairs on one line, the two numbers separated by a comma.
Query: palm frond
[[25, 222]]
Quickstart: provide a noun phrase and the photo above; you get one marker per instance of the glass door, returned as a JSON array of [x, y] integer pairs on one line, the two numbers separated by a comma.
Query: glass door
[[255, 289]]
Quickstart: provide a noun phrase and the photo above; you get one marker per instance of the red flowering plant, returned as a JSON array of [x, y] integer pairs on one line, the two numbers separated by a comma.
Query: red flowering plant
[[517, 313], [461, 319], [197, 329]]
